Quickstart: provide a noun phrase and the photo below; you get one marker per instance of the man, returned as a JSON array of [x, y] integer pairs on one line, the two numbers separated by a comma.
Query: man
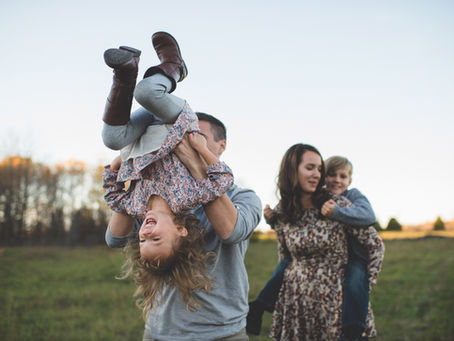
[[229, 221]]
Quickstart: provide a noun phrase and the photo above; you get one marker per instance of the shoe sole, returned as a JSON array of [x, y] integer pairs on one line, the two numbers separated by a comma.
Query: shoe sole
[[134, 51], [117, 57]]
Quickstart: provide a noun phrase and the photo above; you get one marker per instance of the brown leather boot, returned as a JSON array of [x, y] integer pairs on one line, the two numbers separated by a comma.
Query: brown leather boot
[[124, 62], [172, 63]]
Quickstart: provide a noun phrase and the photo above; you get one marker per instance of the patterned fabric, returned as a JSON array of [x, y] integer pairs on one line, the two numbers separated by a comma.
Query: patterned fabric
[[309, 305], [162, 173]]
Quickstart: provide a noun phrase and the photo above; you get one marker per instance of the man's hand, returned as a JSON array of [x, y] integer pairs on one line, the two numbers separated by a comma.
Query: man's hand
[[328, 208], [190, 158]]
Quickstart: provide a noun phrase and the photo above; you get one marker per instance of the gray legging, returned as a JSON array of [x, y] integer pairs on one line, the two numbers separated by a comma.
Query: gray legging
[[158, 107]]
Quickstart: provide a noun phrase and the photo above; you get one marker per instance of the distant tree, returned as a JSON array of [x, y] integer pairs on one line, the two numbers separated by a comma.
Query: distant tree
[[377, 226], [16, 176], [394, 225], [256, 235], [82, 226], [439, 225]]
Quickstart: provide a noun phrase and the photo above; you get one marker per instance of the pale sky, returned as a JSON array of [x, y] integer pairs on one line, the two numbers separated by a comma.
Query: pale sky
[[369, 80]]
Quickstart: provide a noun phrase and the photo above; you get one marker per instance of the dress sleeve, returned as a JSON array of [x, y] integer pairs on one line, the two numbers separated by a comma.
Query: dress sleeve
[[115, 196], [218, 182], [282, 249]]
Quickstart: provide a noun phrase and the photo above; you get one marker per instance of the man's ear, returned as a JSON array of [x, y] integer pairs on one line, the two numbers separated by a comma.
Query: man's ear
[[222, 146]]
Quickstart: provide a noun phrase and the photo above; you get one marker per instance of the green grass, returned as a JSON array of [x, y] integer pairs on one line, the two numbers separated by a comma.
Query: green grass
[[72, 294]]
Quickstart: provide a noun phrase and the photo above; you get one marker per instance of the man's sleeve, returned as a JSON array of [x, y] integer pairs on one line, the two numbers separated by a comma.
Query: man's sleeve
[[360, 214], [249, 209]]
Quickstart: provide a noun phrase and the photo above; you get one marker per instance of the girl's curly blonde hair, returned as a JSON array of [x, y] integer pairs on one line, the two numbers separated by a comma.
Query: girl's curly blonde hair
[[186, 269]]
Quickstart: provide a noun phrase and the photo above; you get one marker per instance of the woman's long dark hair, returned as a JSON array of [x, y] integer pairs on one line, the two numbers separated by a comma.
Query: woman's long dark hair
[[290, 209]]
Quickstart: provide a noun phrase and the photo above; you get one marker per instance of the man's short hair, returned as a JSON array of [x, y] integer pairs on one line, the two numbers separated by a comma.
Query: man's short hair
[[217, 127]]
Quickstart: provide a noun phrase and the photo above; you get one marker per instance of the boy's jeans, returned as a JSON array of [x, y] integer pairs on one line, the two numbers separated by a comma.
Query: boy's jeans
[[269, 293], [355, 291]]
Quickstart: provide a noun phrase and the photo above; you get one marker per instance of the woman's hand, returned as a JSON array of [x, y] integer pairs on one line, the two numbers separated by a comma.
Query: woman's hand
[[328, 208]]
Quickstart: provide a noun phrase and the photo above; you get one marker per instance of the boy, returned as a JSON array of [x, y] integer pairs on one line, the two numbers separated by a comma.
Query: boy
[[356, 286]]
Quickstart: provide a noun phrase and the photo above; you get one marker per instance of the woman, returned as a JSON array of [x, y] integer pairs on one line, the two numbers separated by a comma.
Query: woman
[[309, 305]]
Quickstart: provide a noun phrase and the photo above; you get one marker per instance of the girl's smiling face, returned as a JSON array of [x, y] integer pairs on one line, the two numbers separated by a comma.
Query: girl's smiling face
[[159, 235]]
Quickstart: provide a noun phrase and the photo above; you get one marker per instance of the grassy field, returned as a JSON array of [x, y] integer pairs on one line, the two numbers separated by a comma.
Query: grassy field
[[71, 294]]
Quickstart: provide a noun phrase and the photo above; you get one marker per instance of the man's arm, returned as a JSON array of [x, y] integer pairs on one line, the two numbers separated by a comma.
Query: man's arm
[[222, 213], [360, 214]]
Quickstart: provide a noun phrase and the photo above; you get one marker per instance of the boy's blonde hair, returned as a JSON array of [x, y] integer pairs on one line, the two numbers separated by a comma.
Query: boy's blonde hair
[[186, 269], [334, 163]]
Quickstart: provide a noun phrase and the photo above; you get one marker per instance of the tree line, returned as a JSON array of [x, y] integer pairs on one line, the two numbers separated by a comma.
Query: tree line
[[394, 225], [51, 205], [63, 204]]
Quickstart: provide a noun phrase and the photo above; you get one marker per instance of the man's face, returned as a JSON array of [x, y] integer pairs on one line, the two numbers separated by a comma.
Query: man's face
[[216, 147]]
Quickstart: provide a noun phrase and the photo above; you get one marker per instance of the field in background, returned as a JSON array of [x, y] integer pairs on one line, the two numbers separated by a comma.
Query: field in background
[[71, 294], [386, 235]]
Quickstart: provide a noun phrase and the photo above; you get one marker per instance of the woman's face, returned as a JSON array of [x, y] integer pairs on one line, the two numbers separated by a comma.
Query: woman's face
[[158, 235], [309, 171]]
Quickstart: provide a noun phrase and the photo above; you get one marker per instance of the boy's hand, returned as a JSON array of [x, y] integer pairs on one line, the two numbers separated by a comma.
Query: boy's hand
[[268, 212], [197, 141], [116, 163], [328, 208]]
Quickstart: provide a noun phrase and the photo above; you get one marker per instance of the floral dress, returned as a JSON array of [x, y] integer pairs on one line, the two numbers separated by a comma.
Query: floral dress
[[309, 306], [162, 173]]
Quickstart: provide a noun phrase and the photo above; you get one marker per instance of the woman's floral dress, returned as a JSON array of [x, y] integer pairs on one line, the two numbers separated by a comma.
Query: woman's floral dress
[[309, 305]]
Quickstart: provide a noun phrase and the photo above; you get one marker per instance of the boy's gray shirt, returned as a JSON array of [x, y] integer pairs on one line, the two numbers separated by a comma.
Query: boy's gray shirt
[[225, 308], [360, 214]]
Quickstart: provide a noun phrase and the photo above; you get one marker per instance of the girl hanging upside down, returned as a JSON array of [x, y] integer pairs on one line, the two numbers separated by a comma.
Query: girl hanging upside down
[[169, 245]]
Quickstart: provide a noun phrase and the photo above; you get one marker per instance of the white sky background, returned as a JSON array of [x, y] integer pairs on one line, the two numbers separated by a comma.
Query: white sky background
[[370, 80]]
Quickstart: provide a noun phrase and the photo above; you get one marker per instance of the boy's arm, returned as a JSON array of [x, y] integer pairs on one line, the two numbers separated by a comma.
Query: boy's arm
[[360, 214]]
